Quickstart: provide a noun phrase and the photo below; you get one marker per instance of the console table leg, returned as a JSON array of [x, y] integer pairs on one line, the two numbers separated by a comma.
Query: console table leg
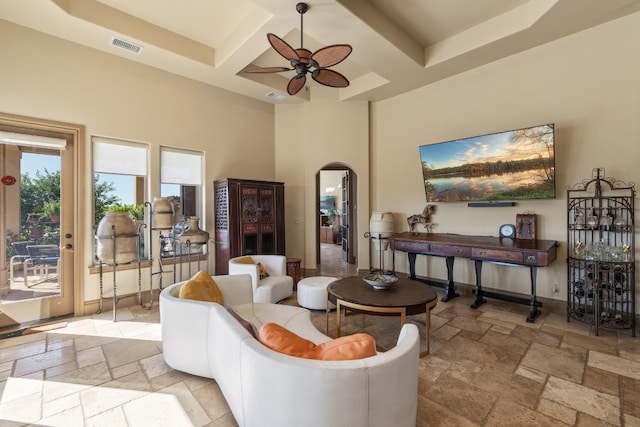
[[412, 265], [479, 300], [450, 288], [338, 317], [393, 262], [534, 303]]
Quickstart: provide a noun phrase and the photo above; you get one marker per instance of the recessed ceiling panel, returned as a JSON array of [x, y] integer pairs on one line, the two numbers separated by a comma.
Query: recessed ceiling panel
[[431, 21], [206, 21]]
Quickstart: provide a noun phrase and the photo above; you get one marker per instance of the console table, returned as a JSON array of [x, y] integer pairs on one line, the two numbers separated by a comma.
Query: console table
[[510, 252]]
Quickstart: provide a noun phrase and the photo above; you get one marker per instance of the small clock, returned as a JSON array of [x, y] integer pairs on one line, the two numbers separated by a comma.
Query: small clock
[[507, 230]]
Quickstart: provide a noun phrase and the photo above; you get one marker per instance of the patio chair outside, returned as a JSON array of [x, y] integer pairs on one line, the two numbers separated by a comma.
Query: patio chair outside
[[41, 259], [21, 253]]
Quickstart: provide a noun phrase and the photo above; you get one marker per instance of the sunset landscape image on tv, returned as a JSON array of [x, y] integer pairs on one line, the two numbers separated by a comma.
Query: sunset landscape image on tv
[[513, 165]]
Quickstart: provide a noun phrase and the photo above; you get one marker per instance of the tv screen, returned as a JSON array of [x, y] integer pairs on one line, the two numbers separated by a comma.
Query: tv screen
[[513, 165], [326, 203]]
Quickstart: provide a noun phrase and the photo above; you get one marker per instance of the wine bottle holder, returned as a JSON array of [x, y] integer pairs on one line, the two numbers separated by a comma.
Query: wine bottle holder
[[601, 253]]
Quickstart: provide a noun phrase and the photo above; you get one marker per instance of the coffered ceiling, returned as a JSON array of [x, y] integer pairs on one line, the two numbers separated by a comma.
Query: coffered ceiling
[[398, 45]]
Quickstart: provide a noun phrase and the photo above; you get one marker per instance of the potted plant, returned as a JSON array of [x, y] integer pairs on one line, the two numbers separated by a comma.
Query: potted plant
[[35, 226], [52, 210], [136, 211]]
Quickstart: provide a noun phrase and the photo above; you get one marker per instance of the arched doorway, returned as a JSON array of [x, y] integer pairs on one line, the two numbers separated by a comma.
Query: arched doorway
[[336, 231]]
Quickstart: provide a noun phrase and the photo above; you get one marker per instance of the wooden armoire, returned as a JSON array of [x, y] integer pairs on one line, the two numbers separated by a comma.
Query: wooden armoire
[[249, 219]]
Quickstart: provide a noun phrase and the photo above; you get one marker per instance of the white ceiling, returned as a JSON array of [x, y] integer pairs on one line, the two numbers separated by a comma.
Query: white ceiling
[[398, 45]]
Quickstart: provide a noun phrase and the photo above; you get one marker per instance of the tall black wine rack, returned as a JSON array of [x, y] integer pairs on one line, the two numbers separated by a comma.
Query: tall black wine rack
[[601, 253]]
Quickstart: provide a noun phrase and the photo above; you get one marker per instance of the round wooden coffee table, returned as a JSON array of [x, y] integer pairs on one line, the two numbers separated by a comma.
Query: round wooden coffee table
[[404, 298]]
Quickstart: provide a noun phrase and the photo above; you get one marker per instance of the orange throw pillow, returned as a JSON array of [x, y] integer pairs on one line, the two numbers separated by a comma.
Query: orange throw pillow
[[263, 271], [244, 260], [356, 346], [202, 287], [282, 340]]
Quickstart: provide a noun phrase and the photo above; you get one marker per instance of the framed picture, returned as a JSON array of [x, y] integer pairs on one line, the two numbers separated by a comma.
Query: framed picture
[[526, 226]]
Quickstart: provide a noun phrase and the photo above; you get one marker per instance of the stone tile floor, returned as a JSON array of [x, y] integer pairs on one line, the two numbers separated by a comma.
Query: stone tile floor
[[487, 367]]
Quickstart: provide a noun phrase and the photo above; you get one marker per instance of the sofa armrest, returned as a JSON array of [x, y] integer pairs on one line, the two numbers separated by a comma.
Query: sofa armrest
[[397, 370], [185, 323], [236, 268], [185, 332], [236, 289]]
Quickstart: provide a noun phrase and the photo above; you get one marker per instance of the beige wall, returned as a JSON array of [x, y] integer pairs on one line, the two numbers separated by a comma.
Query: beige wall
[[587, 84], [309, 137], [49, 78]]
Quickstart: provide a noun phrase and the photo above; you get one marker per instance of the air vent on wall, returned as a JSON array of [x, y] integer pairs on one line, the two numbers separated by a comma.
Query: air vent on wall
[[123, 44], [275, 95]]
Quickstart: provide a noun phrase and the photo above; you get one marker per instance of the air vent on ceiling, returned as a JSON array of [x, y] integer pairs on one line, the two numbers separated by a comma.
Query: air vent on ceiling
[[123, 44], [275, 95]]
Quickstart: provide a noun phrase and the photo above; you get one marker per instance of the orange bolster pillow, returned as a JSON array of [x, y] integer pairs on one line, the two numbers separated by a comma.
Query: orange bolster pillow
[[350, 347]]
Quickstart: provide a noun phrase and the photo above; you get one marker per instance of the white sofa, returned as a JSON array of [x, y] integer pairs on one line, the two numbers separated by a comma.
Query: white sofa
[[266, 388], [274, 288]]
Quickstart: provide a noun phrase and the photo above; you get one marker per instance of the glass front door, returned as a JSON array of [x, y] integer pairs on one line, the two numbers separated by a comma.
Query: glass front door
[[36, 254]]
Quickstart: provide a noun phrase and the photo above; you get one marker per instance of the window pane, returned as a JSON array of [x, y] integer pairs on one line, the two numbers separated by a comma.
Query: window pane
[[120, 173], [180, 181], [32, 222], [122, 188], [169, 190]]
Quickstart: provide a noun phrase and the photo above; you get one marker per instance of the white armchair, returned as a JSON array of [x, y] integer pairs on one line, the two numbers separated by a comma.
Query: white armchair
[[272, 289]]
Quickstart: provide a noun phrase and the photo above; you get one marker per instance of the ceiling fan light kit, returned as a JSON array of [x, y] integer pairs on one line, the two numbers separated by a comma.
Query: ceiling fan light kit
[[303, 61]]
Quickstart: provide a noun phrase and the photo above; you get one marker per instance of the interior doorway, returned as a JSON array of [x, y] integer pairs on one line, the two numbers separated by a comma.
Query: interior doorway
[[37, 221], [336, 231]]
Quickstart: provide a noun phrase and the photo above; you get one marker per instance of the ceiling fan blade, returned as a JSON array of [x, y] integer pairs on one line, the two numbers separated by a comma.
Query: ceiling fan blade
[[267, 70], [331, 55], [283, 48], [303, 55], [295, 84], [329, 78]]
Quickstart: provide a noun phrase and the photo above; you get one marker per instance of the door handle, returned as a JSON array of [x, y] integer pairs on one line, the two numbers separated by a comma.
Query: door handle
[[68, 246]]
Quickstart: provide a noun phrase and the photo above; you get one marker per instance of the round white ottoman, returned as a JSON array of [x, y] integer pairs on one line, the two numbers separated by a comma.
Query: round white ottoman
[[312, 292]]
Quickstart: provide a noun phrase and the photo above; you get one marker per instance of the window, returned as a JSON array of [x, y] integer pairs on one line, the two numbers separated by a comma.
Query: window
[[124, 165], [119, 177], [181, 181]]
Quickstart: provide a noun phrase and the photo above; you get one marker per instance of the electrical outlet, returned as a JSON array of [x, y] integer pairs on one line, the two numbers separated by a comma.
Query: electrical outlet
[[554, 290]]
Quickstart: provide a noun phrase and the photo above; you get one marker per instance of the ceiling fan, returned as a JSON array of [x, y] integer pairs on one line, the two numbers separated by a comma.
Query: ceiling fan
[[303, 61]]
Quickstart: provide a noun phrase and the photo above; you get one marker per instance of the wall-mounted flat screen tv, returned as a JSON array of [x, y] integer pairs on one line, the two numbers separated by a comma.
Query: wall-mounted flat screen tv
[[327, 203], [513, 165]]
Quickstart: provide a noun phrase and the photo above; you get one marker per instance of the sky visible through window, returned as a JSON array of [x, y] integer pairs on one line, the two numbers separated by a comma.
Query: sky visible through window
[[123, 183], [38, 162]]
